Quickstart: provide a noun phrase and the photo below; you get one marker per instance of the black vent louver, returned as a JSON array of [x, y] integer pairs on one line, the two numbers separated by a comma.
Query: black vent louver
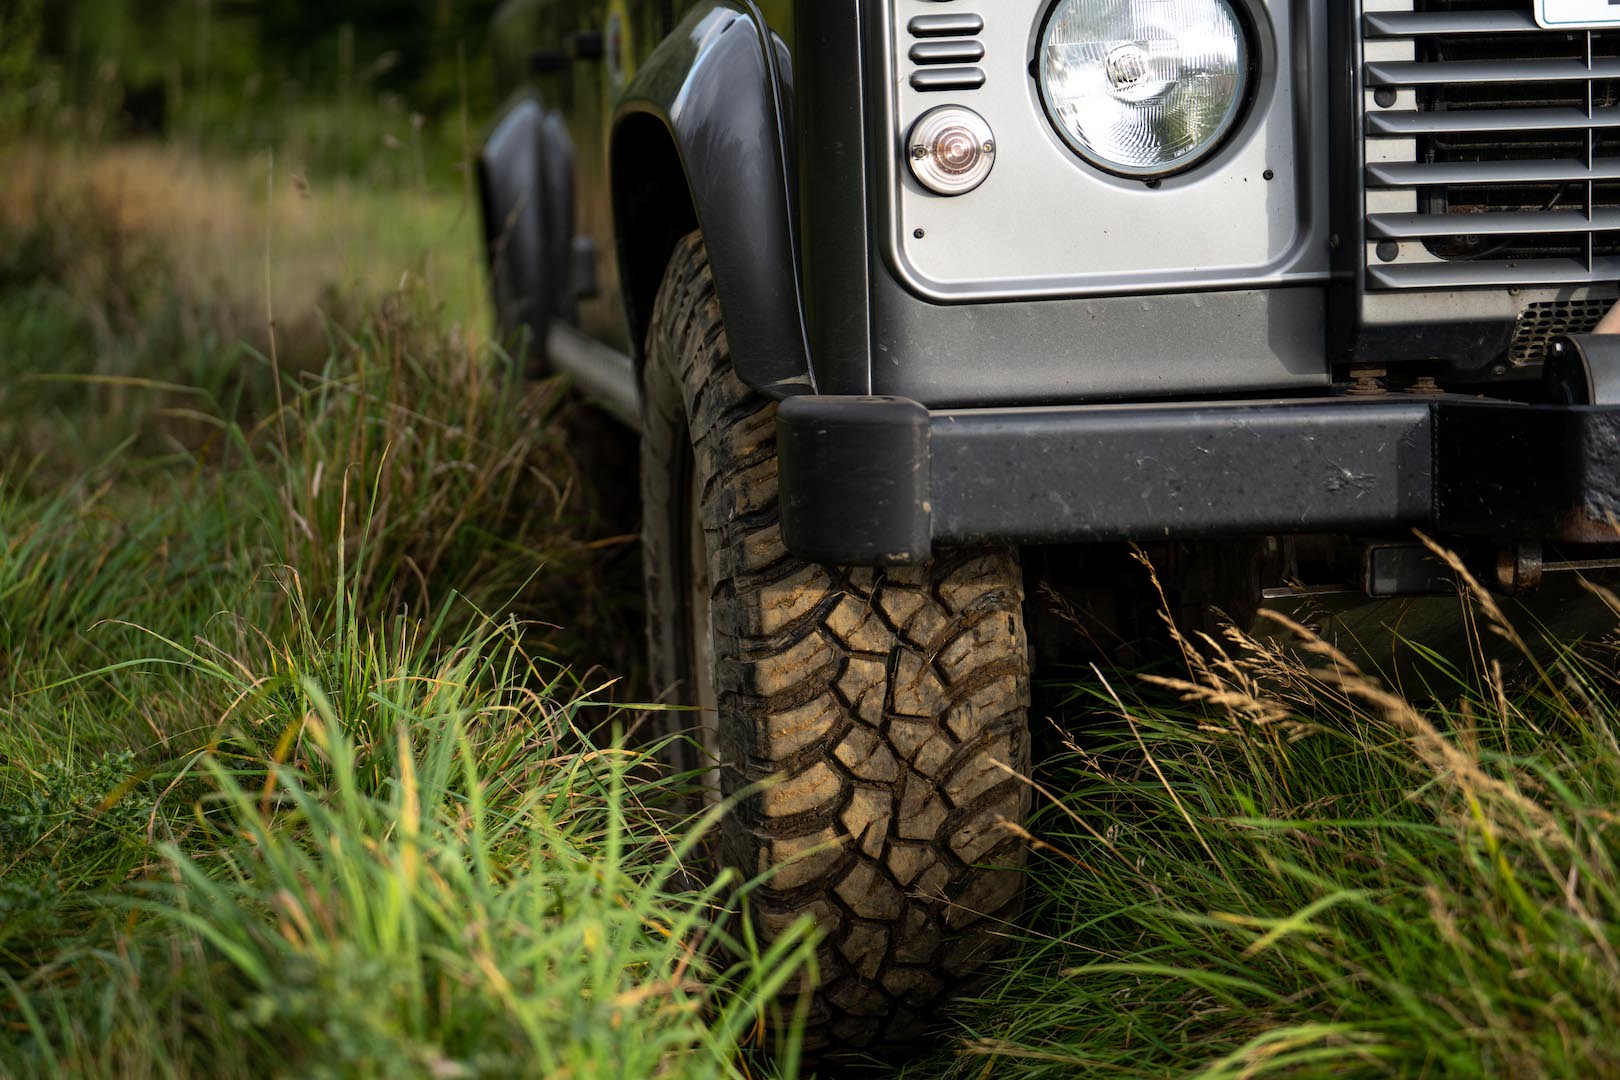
[[947, 52]]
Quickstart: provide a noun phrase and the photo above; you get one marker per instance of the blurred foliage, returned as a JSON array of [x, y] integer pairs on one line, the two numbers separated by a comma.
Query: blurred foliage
[[352, 79], [20, 25]]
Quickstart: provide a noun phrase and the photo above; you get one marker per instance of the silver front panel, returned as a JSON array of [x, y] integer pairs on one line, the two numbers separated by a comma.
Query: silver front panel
[[1047, 224]]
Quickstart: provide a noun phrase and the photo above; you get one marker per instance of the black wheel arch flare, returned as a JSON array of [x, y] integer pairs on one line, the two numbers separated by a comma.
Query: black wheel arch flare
[[702, 139]]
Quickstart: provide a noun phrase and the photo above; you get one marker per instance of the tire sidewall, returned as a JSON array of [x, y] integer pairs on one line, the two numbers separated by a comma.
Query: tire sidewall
[[666, 476]]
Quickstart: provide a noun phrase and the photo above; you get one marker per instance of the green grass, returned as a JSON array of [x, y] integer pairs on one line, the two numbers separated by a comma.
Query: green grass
[[312, 727], [1270, 865], [293, 765]]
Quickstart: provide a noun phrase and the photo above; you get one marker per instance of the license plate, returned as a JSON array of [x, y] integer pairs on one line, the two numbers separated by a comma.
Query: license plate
[[1577, 14]]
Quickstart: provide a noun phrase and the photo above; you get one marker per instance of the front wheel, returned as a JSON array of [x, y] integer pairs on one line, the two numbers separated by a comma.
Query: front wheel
[[889, 708]]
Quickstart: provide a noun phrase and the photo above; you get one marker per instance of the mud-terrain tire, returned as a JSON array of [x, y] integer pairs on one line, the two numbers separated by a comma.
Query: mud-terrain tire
[[889, 705]]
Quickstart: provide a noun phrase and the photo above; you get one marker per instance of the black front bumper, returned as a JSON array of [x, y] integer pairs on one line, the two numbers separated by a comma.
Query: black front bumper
[[881, 481]]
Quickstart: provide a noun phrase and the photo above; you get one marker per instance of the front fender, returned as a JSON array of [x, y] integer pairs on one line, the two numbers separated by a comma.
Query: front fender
[[526, 189], [714, 100]]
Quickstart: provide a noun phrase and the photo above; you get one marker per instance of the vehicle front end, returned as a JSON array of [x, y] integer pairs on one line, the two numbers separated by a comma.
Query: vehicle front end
[[924, 313], [1160, 271]]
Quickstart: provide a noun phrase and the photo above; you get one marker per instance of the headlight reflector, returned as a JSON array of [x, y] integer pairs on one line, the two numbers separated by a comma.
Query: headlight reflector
[[1143, 87]]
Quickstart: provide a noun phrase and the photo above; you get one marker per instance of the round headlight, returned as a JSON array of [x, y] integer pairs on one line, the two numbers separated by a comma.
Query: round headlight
[[1143, 87]]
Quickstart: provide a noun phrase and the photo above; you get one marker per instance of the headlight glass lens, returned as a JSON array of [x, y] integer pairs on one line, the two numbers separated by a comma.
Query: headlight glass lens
[[1143, 87]]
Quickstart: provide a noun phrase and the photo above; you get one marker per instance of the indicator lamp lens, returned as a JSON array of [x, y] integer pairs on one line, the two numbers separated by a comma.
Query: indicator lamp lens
[[952, 150]]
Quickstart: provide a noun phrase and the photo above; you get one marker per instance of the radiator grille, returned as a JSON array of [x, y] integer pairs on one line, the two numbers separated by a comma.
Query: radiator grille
[[1493, 147]]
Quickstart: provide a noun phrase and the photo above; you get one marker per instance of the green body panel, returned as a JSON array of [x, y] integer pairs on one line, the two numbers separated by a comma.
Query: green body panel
[[587, 95]]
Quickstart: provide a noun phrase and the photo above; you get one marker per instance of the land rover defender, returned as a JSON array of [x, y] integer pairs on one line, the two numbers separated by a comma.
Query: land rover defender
[[910, 302]]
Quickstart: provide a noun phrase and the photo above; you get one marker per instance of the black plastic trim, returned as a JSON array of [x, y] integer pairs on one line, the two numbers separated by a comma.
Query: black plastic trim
[[718, 93], [878, 451], [834, 226], [1515, 473], [1346, 196]]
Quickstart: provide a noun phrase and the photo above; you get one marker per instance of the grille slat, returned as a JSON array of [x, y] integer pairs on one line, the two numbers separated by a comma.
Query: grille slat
[[1493, 148], [1568, 118], [1420, 73], [1451, 173], [1469, 275], [1417, 23], [1499, 223]]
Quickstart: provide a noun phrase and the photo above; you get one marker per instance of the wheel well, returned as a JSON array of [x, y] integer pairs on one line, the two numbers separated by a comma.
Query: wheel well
[[653, 211]]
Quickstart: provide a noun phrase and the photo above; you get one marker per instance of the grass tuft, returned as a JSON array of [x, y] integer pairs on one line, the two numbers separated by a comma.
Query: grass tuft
[[1270, 864], [290, 771]]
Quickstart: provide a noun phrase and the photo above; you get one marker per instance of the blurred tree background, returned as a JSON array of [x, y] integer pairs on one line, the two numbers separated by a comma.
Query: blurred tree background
[[356, 86]]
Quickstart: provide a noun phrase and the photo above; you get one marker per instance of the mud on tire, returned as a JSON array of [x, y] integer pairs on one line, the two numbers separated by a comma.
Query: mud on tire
[[890, 703]]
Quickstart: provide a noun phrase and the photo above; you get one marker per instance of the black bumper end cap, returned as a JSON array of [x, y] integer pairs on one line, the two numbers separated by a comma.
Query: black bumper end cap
[[855, 479]]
